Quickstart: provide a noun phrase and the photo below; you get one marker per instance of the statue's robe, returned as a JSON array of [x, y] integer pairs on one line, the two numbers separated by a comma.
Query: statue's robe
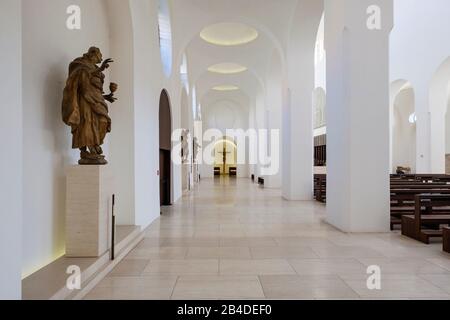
[[84, 108]]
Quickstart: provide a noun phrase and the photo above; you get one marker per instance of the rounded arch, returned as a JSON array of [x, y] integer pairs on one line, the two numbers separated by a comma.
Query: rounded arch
[[165, 149], [262, 29], [438, 110], [403, 127], [439, 89], [225, 157], [206, 80]]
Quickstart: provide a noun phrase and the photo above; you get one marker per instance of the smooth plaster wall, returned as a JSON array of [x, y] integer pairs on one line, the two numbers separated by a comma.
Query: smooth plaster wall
[[149, 81], [48, 48], [418, 46], [132, 147], [224, 114], [404, 132], [11, 127], [121, 139]]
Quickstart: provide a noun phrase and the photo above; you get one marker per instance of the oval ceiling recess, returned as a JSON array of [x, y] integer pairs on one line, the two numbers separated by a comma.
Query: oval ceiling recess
[[229, 34], [227, 68], [225, 88]]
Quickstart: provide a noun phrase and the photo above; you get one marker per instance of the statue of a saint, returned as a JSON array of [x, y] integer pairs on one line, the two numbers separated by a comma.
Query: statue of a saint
[[84, 106], [185, 146], [196, 148]]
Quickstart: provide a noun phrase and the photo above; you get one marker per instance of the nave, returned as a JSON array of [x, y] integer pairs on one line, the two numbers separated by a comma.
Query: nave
[[230, 239]]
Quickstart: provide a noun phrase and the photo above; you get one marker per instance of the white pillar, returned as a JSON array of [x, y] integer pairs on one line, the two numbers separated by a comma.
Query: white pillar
[[437, 141], [358, 113], [297, 143], [11, 144], [423, 157]]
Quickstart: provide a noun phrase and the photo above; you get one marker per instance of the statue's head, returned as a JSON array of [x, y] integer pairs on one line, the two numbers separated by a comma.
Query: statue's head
[[94, 54]]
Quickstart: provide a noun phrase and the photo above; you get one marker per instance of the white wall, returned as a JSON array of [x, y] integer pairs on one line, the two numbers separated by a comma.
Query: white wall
[[274, 106], [11, 143], [418, 47], [447, 132], [121, 139], [48, 48], [297, 143], [357, 116], [147, 91], [224, 114], [404, 132]]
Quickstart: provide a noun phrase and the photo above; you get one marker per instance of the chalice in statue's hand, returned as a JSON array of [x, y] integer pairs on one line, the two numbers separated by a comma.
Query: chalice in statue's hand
[[110, 97]]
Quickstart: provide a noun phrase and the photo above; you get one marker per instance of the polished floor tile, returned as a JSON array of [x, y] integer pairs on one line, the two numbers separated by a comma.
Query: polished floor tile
[[255, 267], [134, 288], [220, 252], [230, 239], [218, 287], [396, 286], [306, 287], [404, 266], [183, 267], [282, 252], [327, 266], [130, 267]]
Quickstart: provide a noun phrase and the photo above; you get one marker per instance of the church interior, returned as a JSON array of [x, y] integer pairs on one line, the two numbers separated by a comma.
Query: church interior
[[225, 149]]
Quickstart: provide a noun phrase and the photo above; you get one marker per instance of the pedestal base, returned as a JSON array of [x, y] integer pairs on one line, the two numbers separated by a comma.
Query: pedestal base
[[88, 209]]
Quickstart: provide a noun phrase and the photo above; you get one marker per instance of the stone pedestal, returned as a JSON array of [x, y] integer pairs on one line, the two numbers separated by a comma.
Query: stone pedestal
[[88, 210]]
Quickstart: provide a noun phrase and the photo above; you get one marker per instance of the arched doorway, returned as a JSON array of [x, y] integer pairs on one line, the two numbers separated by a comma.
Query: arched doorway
[[320, 130], [439, 101], [404, 131], [225, 158], [165, 149]]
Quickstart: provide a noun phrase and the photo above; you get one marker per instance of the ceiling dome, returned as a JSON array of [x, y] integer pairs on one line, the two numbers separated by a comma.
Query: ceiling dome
[[225, 88], [229, 34], [227, 68]]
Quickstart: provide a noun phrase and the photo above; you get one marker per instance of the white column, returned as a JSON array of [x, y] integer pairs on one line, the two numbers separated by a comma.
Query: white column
[[423, 157], [11, 146], [358, 113], [437, 141]]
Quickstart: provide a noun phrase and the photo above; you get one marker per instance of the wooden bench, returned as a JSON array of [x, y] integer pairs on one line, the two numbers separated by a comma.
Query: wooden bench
[[261, 182], [320, 187], [217, 171], [446, 237], [403, 201], [233, 171], [425, 223]]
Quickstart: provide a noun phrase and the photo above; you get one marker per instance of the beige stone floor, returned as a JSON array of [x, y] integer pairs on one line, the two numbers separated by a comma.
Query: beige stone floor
[[230, 239]]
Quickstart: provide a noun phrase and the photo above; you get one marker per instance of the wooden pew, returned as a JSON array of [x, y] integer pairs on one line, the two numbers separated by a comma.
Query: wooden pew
[[403, 199], [446, 236], [320, 187], [426, 223]]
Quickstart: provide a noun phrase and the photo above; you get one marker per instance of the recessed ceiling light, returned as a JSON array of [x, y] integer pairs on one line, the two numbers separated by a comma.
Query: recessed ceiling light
[[227, 68], [229, 34], [225, 88]]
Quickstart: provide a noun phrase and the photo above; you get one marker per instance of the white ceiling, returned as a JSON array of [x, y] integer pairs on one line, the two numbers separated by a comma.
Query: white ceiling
[[270, 18]]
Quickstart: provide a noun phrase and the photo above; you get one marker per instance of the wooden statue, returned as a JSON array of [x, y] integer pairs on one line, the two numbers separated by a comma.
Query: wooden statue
[[185, 146], [84, 106], [196, 148]]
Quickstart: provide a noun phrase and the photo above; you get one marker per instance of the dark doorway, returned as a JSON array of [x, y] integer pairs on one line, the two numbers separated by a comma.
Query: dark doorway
[[165, 149]]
